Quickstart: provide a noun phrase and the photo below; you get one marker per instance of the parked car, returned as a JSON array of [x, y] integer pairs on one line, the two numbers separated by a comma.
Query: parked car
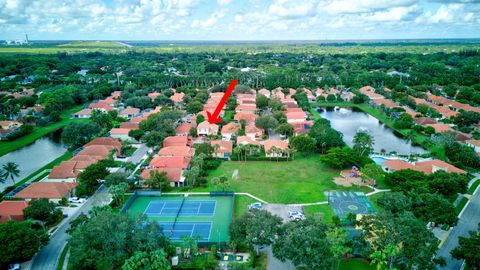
[[256, 205], [296, 215], [76, 200]]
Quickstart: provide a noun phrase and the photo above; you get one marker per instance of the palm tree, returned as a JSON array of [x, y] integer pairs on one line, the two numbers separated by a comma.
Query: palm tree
[[363, 143], [11, 170], [3, 176]]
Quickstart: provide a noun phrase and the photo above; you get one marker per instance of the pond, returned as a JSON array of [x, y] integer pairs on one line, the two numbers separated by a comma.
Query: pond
[[34, 156], [351, 120]]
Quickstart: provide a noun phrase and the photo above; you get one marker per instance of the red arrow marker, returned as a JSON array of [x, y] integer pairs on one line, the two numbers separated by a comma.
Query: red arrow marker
[[213, 118]]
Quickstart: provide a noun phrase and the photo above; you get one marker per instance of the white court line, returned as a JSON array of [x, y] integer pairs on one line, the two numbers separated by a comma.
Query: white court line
[[193, 229], [210, 232]]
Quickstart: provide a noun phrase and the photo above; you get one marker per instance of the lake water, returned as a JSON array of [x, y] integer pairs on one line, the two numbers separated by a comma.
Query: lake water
[[32, 157], [351, 120]]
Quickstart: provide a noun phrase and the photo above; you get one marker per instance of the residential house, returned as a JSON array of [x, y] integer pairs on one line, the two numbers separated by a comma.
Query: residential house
[[170, 162], [370, 92], [85, 113], [177, 98], [246, 108], [153, 95], [174, 175], [12, 210], [427, 166], [276, 148], [296, 116], [253, 132], [10, 125], [177, 151], [176, 141], [222, 149], [129, 112], [121, 134], [183, 129], [475, 144], [440, 128], [229, 130], [54, 191], [264, 92], [424, 121], [111, 143], [246, 140], [205, 129], [248, 117]]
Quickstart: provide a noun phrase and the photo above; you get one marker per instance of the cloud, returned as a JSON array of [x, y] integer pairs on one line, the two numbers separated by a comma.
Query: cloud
[[208, 23], [224, 2], [354, 6], [292, 8]]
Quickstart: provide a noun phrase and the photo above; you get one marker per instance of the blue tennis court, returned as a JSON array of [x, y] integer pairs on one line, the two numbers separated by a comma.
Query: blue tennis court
[[188, 209], [200, 229]]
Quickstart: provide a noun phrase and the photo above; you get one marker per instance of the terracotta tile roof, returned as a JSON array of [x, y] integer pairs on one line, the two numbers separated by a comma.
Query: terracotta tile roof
[[68, 169], [12, 210], [100, 106], [296, 109], [49, 190], [424, 121], [177, 151], [419, 100], [264, 92], [106, 141], [252, 129], [170, 162], [175, 141], [129, 125], [275, 143], [177, 97], [248, 117], [461, 137], [212, 128], [439, 128], [246, 140], [430, 166], [183, 128], [224, 146], [153, 95], [278, 94], [398, 164], [120, 131], [473, 142], [173, 174], [129, 111], [86, 111], [246, 108], [296, 115], [138, 119], [230, 128]]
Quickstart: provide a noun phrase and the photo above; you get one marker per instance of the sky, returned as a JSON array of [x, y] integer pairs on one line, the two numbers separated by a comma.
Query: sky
[[238, 19]]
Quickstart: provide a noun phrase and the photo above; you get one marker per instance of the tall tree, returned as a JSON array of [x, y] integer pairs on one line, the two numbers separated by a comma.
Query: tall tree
[[363, 143], [467, 250], [11, 170], [155, 260]]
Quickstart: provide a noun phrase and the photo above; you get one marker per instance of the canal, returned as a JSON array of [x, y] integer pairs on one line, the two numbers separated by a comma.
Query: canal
[[351, 120], [34, 156]]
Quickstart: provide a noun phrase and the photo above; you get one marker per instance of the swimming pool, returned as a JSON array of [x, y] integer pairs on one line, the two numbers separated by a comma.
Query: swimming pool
[[379, 160]]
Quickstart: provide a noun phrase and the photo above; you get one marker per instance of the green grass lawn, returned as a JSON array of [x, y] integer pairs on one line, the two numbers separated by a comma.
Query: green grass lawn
[[473, 187], [241, 204], [302, 180], [324, 210], [460, 205], [6, 147]]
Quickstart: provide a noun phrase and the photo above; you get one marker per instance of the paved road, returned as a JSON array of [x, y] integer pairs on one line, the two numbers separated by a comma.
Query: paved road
[[468, 222], [139, 154], [46, 258]]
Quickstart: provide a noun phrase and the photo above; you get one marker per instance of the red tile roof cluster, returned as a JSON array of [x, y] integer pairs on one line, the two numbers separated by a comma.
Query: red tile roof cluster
[[222, 146], [427, 167], [176, 141], [12, 210], [49, 190], [183, 129], [177, 97], [230, 128], [248, 117], [269, 144]]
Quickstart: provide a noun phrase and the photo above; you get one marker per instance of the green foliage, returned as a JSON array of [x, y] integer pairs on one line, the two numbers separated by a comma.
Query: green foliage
[[262, 102], [325, 136], [467, 250], [462, 155], [404, 121], [89, 178], [155, 260], [266, 122], [43, 210], [9, 170], [363, 143], [285, 129], [256, 228], [406, 180], [77, 134], [158, 126], [91, 245], [341, 158], [20, 241], [158, 180], [303, 143]]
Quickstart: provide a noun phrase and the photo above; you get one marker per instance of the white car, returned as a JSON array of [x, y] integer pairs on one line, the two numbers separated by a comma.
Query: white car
[[256, 205], [76, 200], [296, 215]]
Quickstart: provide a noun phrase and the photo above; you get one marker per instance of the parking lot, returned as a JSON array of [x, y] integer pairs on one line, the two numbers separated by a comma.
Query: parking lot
[[282, 210]]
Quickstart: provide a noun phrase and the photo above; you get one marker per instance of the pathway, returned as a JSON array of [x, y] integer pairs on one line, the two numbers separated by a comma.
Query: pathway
[[47, 257], [468, 221]]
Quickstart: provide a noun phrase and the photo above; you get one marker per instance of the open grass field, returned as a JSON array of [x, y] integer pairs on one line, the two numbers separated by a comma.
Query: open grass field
[[6, 147], [324, 210], [302, 180]]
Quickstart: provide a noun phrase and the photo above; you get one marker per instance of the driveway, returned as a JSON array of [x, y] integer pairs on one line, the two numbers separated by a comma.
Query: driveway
[[47, 257], [468, 221], [138, 154], [280, 210]]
